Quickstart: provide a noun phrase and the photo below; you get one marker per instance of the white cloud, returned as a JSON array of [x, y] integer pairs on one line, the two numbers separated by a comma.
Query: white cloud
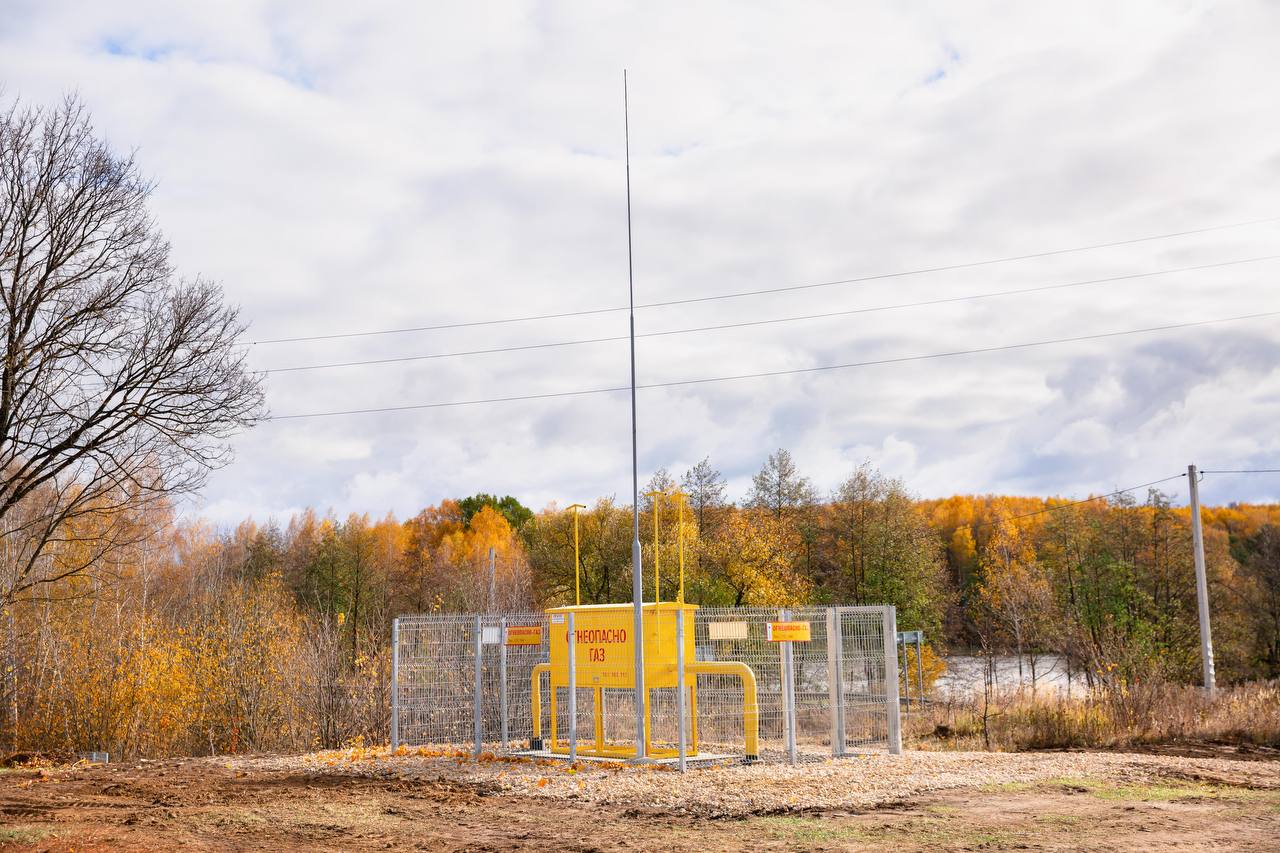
[[1079, 438], [349, 167]]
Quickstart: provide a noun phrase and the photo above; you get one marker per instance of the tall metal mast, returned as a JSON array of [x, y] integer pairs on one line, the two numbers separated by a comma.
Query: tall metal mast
[[637, 577]]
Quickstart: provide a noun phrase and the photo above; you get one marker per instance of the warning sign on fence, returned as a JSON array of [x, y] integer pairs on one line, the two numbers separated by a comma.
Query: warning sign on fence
[[787, 632], [524, 635]]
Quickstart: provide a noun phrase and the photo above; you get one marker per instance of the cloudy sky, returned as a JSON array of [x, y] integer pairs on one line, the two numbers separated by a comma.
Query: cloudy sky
[[351, 167]]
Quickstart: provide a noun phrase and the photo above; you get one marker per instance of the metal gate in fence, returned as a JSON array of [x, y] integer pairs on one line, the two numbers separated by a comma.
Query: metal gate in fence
[[456, 682]]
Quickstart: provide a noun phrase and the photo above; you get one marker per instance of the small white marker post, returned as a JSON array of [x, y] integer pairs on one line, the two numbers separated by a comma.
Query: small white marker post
[[920, 665], [905, 674]]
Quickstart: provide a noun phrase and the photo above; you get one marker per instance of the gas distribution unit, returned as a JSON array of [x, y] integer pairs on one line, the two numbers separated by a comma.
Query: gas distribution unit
[[604, 658]]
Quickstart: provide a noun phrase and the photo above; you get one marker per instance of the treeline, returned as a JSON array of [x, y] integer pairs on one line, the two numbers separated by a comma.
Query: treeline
[[197, 641], [269, 636]]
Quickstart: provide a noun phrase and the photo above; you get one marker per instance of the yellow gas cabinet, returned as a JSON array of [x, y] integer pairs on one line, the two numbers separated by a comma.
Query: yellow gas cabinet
[[604, 658]]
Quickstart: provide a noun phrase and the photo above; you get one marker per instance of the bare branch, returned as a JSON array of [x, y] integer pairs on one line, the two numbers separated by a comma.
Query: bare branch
[[120, 384]]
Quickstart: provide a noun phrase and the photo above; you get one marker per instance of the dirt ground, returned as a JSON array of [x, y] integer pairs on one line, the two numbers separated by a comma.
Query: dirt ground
[[365, 799]]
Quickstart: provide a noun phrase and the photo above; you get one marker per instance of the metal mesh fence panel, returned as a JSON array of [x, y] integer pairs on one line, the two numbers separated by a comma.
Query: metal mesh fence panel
[[724, 634], [514, 666], [863, 719], [435, 688], [812, 675], [435, 691], [843, 702]]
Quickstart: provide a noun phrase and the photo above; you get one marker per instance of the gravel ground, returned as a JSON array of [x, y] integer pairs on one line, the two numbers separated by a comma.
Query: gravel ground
[[850, 783], [363, 799]]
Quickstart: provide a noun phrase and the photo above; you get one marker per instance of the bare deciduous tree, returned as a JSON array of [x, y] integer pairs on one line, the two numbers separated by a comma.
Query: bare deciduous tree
[[120, 384]]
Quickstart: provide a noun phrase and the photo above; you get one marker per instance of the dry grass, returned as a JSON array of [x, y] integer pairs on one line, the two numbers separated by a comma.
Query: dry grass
[[1141, 715], [26, 834]]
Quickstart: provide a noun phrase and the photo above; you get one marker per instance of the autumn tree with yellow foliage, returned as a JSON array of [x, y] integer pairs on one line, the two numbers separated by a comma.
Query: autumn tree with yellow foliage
[[1013, 598]]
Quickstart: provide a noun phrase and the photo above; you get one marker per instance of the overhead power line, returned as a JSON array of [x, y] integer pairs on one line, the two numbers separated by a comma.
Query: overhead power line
[[744, 293], [1117, 492], [1070, 504], [770, 321], [789, 372]]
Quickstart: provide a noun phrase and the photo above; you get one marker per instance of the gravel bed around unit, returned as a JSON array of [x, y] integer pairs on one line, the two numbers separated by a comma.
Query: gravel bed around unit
[[833, 784]]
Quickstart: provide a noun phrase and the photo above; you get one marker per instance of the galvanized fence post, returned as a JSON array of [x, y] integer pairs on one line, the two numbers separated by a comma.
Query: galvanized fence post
[[890, 647], [395, 684], [573, 690], [502, 679], [479, 688], [782, 677], [680, 688], [835, 679], [789, 693]]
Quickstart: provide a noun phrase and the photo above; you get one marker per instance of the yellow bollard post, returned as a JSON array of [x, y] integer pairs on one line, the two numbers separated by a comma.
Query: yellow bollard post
[[657, 596], [577, 561], [679, 496]]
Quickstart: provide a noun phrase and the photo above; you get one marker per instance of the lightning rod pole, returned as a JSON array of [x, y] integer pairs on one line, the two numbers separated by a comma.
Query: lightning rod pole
[[637, 578]]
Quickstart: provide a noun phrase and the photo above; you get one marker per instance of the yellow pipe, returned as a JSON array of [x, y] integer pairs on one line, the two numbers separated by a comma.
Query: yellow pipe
[[750, 706], [599, 720], [535, 701]]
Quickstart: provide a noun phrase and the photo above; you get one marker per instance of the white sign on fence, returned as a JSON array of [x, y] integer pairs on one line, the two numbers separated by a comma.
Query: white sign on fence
[[726, 630]]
